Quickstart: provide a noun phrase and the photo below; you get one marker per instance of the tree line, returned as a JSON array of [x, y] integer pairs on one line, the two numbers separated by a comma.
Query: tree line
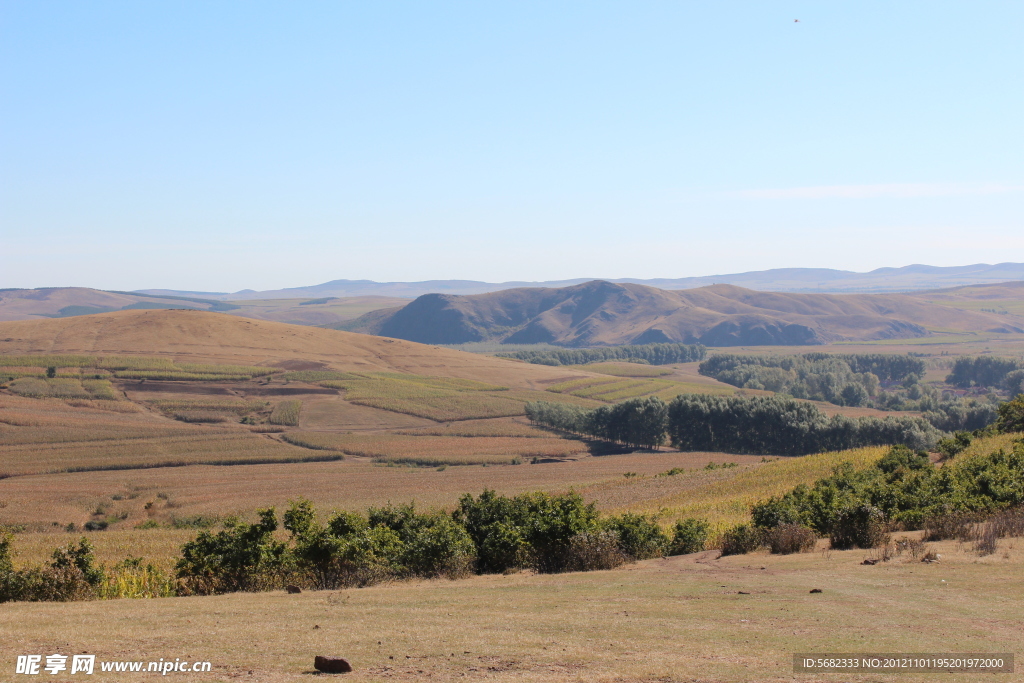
[[757, 425], [988, 371], [653, 354]]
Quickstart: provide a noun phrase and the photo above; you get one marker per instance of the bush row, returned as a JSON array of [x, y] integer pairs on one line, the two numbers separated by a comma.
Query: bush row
[[485, 534]]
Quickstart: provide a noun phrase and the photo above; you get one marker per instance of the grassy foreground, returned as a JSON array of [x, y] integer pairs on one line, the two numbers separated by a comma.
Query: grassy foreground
[[678, 619]]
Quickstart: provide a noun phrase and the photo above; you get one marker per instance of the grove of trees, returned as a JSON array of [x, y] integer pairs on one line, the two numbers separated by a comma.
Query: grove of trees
[[757, 425], [654, 354]]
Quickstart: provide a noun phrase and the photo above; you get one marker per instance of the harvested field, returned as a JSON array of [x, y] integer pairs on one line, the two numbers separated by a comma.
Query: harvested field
[[495, 427], [439, 450], [203, 445], [331, 412]]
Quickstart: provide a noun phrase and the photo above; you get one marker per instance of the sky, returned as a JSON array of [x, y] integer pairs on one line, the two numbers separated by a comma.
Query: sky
[[216, 146]]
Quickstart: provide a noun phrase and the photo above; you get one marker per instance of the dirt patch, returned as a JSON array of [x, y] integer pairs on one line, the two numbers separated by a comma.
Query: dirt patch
[[176, 388], [300, 365], [286, 391]]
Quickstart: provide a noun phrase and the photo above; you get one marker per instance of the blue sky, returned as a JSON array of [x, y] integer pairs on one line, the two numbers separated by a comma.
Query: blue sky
[[223, 145]]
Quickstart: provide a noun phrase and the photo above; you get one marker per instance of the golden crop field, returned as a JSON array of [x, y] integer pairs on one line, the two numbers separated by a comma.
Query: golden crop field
[[726, 498]]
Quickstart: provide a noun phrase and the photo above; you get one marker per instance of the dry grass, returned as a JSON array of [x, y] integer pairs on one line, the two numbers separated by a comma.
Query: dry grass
[[439, 450], [661, 620]]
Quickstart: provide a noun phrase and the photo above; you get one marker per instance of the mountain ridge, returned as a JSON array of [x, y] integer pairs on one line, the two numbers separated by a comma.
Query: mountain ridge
[[603, 313], [915, 277]]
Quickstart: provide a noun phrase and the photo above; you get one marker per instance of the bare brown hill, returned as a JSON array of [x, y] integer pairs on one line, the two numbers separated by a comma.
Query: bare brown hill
[[66, 302], [605, 313], [202, 336]]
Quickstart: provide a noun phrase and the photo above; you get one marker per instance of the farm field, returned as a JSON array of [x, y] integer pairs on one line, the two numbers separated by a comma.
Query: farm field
[[686, 618], [52, 501]]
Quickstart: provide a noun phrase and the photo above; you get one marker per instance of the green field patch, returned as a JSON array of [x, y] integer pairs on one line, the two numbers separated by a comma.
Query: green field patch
[[627, 369], [286, 413], [317, 376], [624, 389], [529, 395], [441, 382], [574, 385], [41, 387], [430, 399]]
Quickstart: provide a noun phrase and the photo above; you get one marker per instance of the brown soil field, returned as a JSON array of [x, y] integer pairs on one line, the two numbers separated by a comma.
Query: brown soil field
[[439, 450], [688, 618], [507, 426], [351, 484]]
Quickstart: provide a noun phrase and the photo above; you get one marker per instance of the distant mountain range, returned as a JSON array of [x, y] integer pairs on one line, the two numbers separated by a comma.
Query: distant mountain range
[[602, 313], [905, 279]]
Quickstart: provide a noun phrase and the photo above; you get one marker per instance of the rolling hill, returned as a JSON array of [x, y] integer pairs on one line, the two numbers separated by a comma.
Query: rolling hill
[[606, 313], [204, 336]]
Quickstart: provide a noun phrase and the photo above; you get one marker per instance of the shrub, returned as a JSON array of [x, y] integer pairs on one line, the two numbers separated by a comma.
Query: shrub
[[239, 557], [860, 526], [1011, 416], [741, 539], [639, 536], [787, 539], [534, 529], [943, 527], [689, 536], [594, 550], [952, 446], [437, 547]]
